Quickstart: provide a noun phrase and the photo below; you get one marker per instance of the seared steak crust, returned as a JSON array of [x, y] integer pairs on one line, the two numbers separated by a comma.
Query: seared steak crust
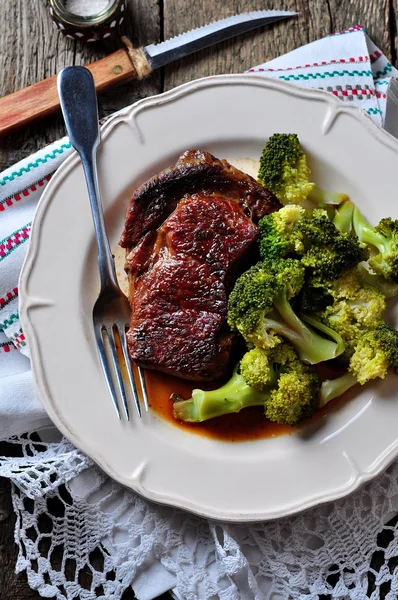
[[194, 172], [185, 229]]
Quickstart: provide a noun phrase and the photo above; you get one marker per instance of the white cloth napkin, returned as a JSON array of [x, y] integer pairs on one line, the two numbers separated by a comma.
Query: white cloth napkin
[[347, 64], [20, 189]]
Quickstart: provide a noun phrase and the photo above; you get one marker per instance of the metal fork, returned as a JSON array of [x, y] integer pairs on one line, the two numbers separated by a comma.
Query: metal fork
[[111, 312]]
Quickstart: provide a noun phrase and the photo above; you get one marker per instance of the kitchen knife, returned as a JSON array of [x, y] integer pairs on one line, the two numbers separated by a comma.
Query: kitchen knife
[[41, 99]]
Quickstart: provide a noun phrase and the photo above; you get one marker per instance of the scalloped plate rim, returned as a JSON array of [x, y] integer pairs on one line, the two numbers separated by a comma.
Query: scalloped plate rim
[[126, 114]]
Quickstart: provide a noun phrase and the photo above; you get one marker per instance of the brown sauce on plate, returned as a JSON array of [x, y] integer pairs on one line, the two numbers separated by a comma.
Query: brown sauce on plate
[[249, 424]]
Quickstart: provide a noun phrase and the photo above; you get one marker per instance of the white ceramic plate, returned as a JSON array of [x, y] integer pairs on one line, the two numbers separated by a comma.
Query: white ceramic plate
[[230, 116]]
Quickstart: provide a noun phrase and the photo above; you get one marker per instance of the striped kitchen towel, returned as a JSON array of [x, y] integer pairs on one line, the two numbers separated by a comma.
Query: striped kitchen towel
[[347, 64]]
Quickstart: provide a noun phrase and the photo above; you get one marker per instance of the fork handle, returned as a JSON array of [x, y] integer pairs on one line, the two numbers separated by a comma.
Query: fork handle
[[106, 263], [78, 99]]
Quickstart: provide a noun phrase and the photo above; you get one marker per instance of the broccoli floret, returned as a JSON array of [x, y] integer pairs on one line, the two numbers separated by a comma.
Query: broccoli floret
[[366, 302], [279, 381], [333, 388], [356, 313], [310, 235], [314, 299], [329, 253], [383, 237], [376, 351], [260, 310], [283, 169], [347, 305], [258, 370], [295, 396], [250, 300], [279, 236]]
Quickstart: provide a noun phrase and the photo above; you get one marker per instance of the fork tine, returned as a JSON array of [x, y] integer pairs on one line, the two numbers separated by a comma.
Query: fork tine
[[118, 371], [122, 335], [105, 368], [141, 374]]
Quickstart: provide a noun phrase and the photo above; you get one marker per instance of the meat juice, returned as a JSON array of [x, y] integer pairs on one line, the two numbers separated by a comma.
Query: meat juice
[[250, 424]]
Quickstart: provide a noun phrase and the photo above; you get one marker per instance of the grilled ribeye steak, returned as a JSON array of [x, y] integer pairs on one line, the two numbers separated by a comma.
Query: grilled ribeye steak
[[185, 229]]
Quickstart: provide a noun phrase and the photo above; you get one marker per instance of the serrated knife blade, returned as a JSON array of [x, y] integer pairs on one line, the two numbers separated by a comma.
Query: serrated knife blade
[[41, 99], [202, 37]]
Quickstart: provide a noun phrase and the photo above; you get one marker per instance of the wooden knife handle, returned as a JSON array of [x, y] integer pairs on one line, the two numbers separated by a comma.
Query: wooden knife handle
[[41, 99]]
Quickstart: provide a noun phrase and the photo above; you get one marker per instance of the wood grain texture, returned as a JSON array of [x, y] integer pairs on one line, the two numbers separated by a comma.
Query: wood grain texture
[[317, 18], [31, 49], [41, 100], [12, 587]]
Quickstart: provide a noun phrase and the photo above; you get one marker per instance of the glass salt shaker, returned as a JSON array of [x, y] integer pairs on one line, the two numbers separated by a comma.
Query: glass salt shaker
[[88, 20]]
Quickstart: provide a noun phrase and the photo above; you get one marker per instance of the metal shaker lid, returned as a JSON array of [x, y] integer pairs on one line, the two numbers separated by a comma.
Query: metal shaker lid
[[88, 20]]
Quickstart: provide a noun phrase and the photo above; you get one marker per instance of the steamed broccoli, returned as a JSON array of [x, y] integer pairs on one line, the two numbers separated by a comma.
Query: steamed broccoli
[[376, 351], [279, 235], [232, 397], [383, 237], [311, 236], [329, 253], [333, 388], [355, 310], [284, 171], [278, 380], [258, 369], [260, 310], [347, 305], [296, 395]]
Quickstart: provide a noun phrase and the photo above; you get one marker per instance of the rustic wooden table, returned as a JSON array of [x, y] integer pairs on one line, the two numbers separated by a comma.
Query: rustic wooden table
[[31, 49]]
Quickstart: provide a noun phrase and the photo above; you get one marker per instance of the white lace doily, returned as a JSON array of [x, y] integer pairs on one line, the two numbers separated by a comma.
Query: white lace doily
[[67, 508]]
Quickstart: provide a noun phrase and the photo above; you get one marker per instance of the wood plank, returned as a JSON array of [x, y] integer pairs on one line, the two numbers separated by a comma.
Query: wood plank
[[41, 99], [374, 15], [24, 61], [12, 586], [243, 52], [316, 19]]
